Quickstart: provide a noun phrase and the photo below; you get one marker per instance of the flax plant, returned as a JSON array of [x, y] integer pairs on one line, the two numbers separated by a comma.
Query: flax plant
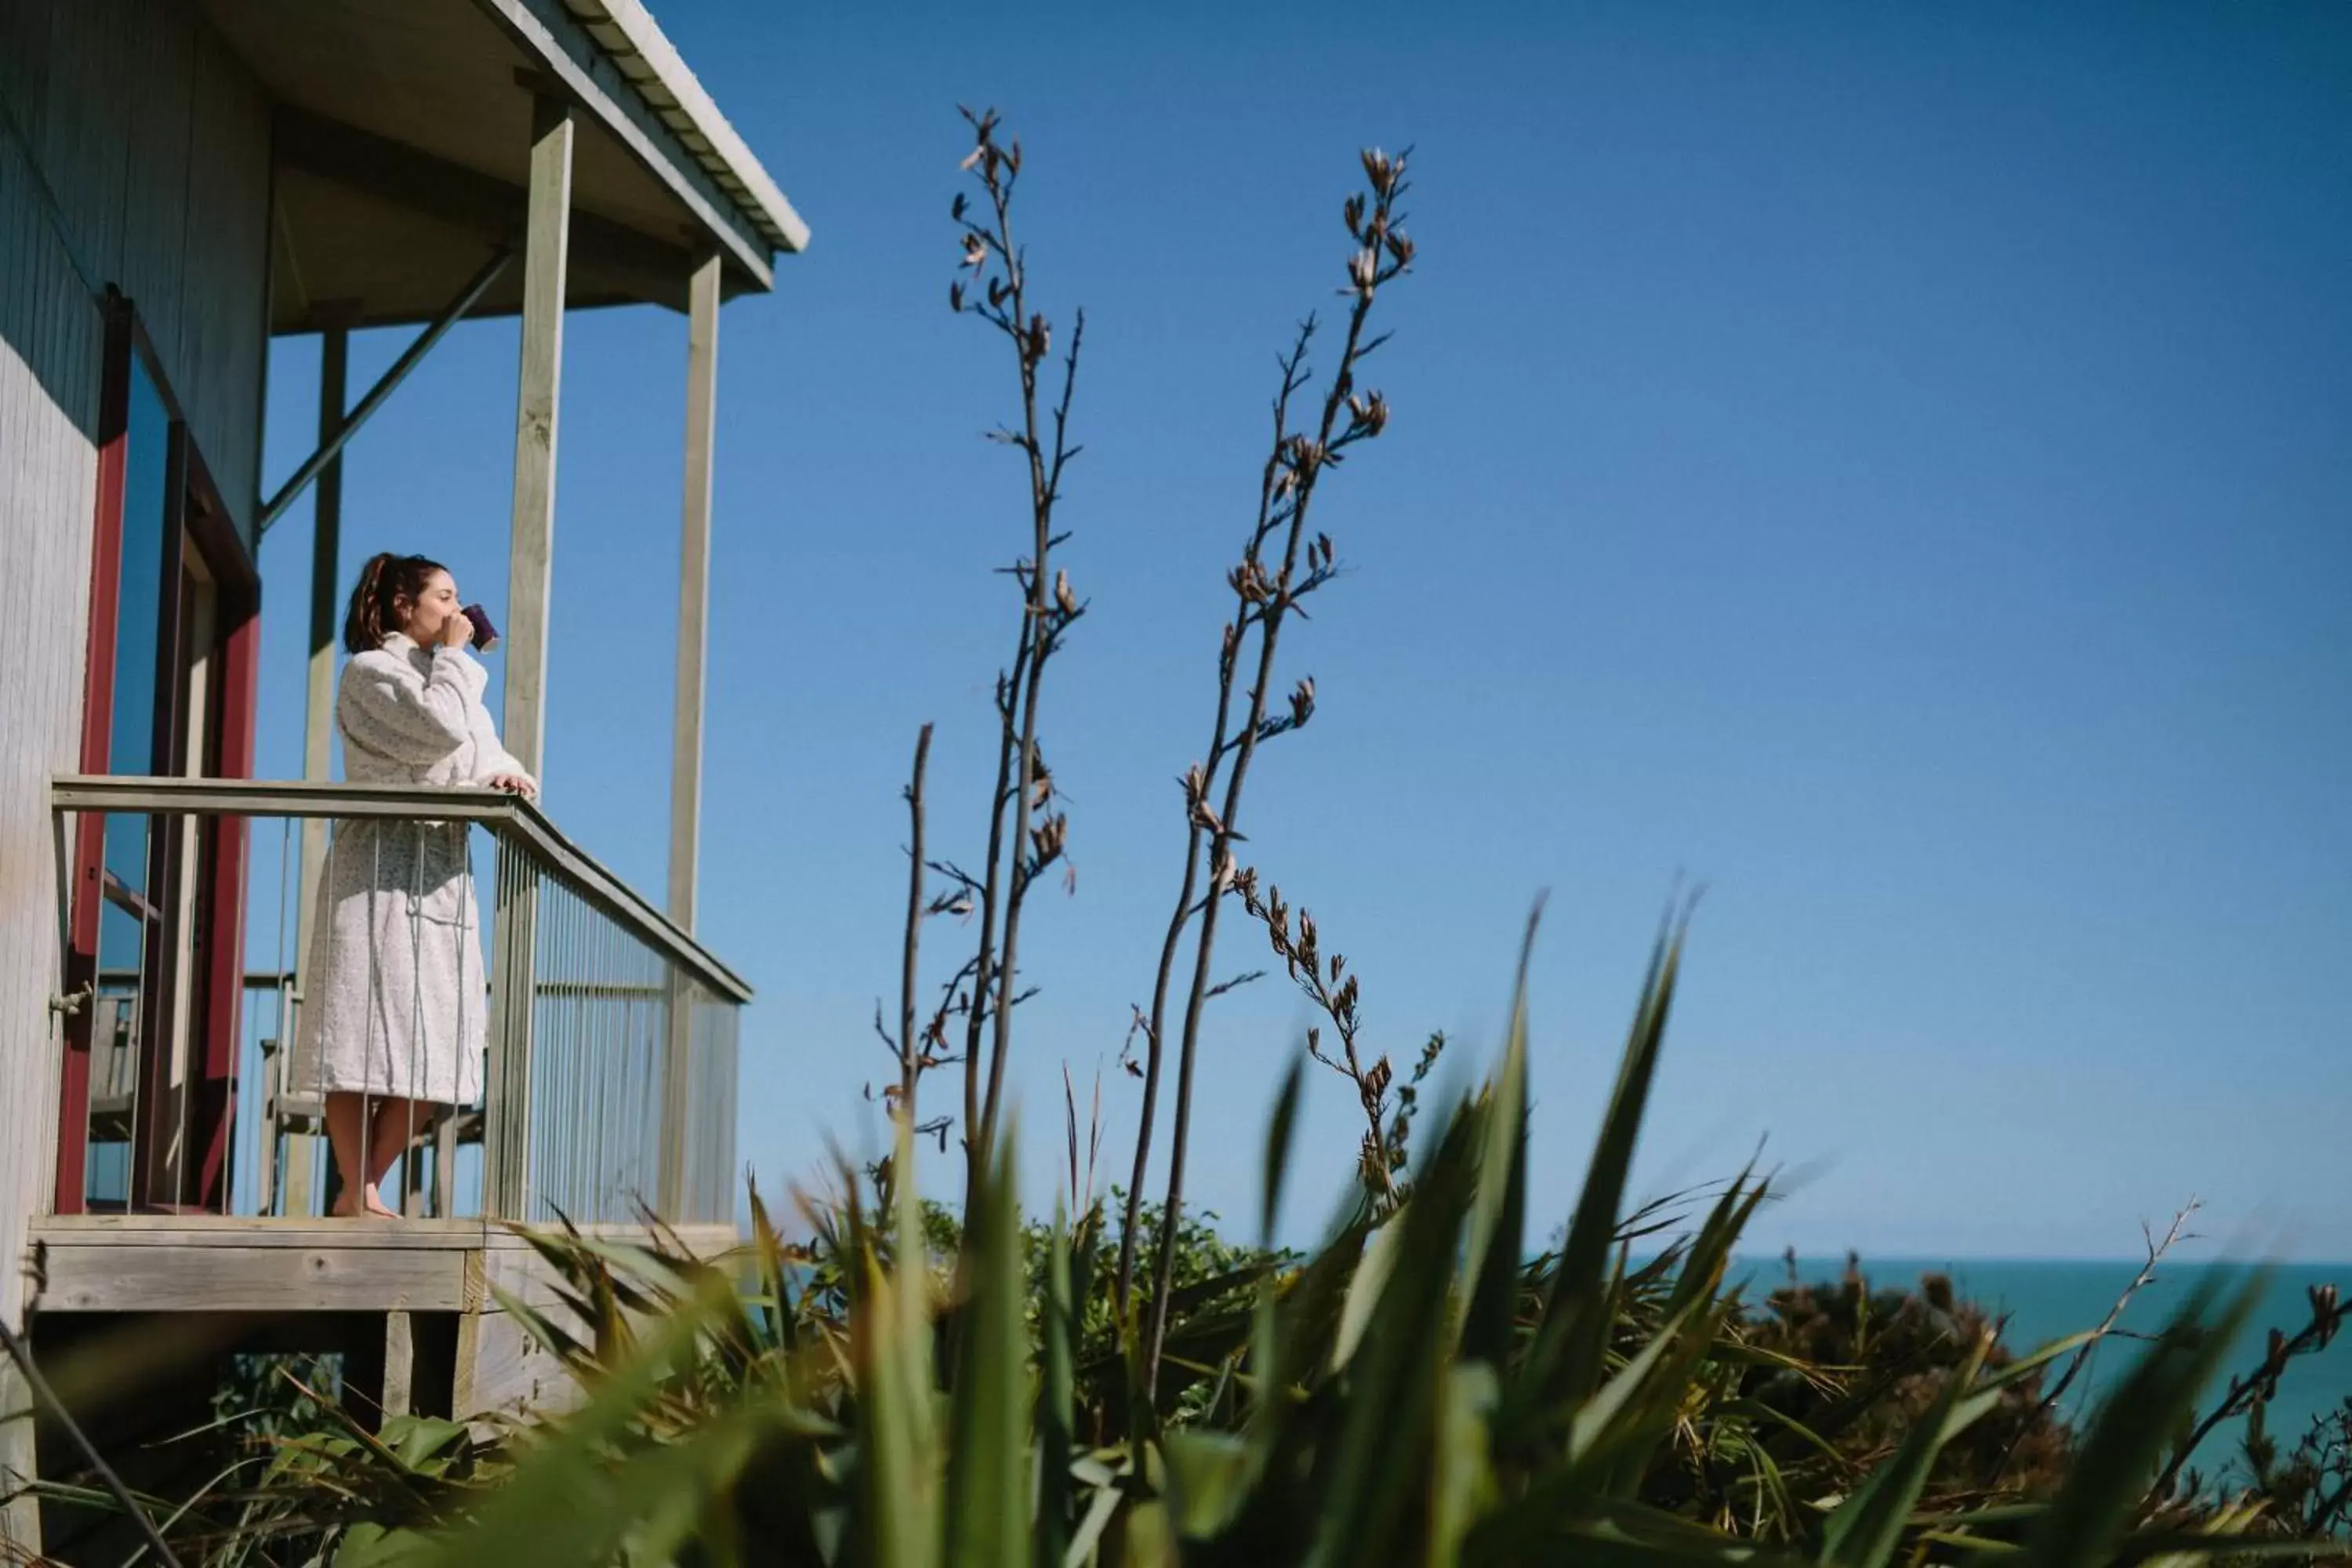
[[1412, 1392]]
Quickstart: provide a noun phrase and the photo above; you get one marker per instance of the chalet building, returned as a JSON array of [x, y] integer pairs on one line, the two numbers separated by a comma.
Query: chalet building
[[181, 182]]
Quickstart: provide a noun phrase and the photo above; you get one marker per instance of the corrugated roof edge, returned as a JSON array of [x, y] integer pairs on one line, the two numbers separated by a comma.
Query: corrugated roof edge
[[626, 31]]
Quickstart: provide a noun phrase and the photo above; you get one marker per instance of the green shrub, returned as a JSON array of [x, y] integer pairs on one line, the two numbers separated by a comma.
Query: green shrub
[[1412, 1392]]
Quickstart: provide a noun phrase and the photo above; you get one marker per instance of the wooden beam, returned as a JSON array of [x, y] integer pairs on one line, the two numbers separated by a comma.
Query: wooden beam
[[199, 1230], [502, 1369], [221, 1278], [329, 450], [493, 209], [188, 1263], [532, 550]]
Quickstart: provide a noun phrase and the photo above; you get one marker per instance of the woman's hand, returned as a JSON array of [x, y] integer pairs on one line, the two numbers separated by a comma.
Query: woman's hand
[[457, 630], [513, 783]]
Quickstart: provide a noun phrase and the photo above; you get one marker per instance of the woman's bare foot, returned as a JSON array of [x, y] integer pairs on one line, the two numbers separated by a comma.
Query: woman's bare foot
[[374, 1208]]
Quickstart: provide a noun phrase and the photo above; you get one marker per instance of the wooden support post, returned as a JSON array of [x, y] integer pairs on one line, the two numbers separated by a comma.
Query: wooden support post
[[506, 1134], [399, 1364], [693, 592], [318, 718], [464, 1372], [420, 1363], [364, 1346], [546, 235], [505, 1098], [686, 746]]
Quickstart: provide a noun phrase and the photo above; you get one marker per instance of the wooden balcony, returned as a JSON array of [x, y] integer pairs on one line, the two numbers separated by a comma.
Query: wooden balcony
[[193, 1165]]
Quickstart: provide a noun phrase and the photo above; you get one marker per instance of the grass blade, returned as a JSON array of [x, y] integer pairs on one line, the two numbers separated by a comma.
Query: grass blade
[[1056, 1402], [897, 1437], [1498, 1216], [988, 1475], [1277, 1148], [1564, 1364]]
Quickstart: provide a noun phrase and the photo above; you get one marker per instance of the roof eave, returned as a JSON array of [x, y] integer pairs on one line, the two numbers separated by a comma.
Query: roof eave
[[726, 204], [629, 32]]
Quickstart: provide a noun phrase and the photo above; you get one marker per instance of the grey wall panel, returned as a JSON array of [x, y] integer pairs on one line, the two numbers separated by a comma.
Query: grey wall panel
[[152, 141], [85, 150], [222, 337], [48, 471], [24, 83], [156, 85]]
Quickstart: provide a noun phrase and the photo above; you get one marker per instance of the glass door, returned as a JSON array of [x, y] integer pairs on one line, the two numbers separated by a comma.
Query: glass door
[[145, 1101]]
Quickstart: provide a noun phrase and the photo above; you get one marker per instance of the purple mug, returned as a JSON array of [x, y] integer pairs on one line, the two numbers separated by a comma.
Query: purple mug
[[486, 635]]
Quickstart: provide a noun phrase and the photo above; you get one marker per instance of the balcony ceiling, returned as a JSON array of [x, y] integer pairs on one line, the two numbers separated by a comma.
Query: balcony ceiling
[[403, 143]]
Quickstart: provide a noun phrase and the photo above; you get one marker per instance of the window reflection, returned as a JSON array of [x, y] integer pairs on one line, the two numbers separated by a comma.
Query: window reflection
[[124, 922]]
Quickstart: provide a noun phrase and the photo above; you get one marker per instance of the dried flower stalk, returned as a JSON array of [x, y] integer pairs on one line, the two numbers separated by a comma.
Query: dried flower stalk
[[1026, 833], [1266, 590]]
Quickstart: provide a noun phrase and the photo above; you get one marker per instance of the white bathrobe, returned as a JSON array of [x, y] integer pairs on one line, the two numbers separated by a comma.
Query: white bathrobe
[[395, 1003]]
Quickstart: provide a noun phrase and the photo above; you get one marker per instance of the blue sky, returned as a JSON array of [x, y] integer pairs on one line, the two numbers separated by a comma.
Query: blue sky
[[1888, 464]]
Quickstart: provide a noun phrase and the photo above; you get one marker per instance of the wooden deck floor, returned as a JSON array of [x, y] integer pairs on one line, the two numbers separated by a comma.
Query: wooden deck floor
[[209, 1263]]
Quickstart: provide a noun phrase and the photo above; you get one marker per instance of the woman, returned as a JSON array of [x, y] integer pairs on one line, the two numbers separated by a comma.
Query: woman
[[393, 1018]]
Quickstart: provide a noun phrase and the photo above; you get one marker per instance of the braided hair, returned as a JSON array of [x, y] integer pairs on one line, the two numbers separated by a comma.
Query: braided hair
[[384, 582]]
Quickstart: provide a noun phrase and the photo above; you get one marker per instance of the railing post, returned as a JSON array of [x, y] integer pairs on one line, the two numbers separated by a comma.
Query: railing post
[[506, 1097], [677, 1081]]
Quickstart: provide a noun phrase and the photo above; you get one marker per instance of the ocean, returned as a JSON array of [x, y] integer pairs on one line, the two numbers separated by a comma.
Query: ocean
[[2047, 1300]]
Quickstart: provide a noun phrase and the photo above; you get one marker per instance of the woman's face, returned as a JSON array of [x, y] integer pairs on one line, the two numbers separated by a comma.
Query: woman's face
[[431, 609]]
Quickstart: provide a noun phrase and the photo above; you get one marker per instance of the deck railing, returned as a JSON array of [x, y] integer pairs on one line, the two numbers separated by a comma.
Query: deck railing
[[608, 1035]]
